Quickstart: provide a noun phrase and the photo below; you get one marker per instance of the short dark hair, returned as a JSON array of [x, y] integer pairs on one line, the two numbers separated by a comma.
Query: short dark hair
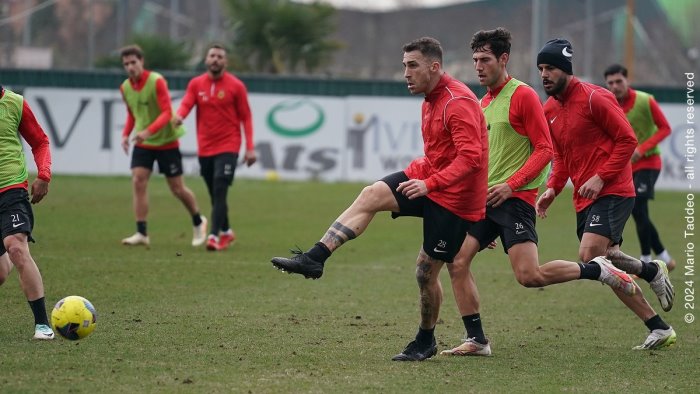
[[498, 41], [130, 50], [216, 45], [428, 47], [615, 69]]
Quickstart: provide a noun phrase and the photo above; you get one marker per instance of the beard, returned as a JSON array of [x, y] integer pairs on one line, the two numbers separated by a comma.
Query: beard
[[556, 87]]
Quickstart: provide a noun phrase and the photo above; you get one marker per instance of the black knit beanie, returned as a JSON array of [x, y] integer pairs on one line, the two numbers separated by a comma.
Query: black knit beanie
[[558, 53]]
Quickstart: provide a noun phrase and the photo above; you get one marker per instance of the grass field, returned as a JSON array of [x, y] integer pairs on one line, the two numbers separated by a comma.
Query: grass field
[[178, 319]]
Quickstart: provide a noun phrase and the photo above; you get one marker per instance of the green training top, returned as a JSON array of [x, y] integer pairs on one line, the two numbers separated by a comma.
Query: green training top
[[642, 121], [13, 168], [144, 107], [508, 149]]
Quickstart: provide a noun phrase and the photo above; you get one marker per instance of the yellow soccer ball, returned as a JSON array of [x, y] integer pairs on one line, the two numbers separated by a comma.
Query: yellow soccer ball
[[73, 318]]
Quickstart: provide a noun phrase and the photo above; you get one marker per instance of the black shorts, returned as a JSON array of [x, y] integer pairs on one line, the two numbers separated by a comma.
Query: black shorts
[[513, 221], [443, 231], [169, 160], [16, 215], [606, 216], [644, 181], [218, 166]]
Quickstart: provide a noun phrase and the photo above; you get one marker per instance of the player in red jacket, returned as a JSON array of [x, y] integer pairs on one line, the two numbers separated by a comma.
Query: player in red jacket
[[593, 143], [446, 187], [222, 108], [651, 127]]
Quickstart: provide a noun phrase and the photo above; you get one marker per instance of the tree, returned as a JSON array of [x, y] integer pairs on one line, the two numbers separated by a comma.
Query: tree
[[279, 36], [159, 53]]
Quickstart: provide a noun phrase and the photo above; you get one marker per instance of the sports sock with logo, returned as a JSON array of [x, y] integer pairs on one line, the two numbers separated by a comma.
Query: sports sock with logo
[[589, 271], [474, 330], [39, 310]]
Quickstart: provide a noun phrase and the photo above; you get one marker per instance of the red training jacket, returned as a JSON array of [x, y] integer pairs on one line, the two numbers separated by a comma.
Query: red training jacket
[[222, 107], [455, 143], [591, 135]]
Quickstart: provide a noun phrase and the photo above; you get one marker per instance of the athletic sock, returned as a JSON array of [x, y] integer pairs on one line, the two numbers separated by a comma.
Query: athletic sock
[[645, 258], [425, 337], [589, 271], [39, 310], [141, 227], [197, 219], [474, 330], [649, 271], [319, 252], [665, 256], [656, 323]]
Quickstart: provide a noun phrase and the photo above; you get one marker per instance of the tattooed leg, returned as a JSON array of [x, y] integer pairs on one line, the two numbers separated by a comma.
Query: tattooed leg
[[354, 221], [427, 275]]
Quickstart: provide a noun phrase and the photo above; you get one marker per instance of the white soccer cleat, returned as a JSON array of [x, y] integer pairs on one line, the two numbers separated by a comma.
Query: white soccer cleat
[[199, 233], [613, 277], [662, 287], [658, 339], [136, 239], [470, 347], [43, 332]]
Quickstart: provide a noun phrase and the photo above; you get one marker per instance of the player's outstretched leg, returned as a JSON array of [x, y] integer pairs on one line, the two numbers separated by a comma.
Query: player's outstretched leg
[[656, 273]]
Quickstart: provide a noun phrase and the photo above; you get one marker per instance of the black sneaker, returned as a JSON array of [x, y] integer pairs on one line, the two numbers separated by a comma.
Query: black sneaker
[[417, 352], [300, 264]]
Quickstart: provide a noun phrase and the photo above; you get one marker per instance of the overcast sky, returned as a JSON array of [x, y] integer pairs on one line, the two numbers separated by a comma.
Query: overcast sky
[[383, 5]]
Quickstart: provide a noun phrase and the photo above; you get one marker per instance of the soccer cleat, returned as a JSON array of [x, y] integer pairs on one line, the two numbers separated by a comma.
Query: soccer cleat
[[199, 233], [613, 277], [213, 243], [662, 287], [136, 239], [226, 238], [658, 339], [470, 347], [300, 264], [417, 352], [43, 332]]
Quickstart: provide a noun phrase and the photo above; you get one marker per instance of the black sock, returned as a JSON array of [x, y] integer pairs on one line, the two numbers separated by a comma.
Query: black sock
[[656, 323], [141, 227], [649, 271], [425, 336], [196, 219], [39, 310], [474, 330], [589, 271], [319, 252]]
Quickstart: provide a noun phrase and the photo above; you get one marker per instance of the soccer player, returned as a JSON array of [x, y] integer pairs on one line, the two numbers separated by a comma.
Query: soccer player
[[222, 108], [520, 150], [16, 216], [651, 127], [593, 143], [446, 187], [148, 109]]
